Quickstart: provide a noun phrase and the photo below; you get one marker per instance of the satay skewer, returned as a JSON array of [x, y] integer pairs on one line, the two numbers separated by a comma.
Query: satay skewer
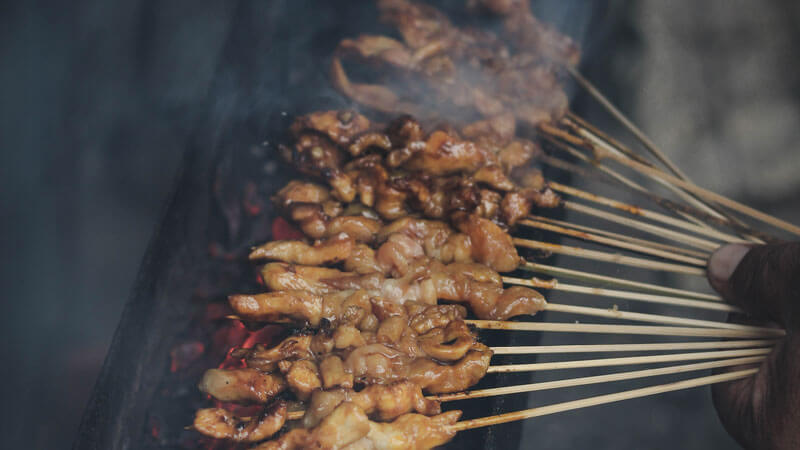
[[573, 382], [623, 295], [601, 399], [583, 381], [699, 213], [615, 258], [652, 330], [768, 336], [591, 237], [643, 317], [626, 360], [649, 144], [648, 214], [615, 281], [689, 213], [551, 133], [594, 142], [709, 195], [649, 347], [649, 318], [620, 237], [556, 285], [655, 230], [609, 144], [568, 148]]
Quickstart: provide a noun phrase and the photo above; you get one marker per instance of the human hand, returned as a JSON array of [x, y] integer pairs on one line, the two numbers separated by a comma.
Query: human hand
[[763, 411]]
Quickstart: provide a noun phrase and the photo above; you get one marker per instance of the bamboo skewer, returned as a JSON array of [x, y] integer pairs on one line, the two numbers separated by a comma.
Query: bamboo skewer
[[601, 399], [653, 215], [605, 174], [717, 332], [583, 381], [580, 123], [590, 132], [602, 168], [572, 382], [619, 282], [627, 360], [609, 257], [621, 237], [598, 348], [697, 214], [626, 295], [709, 195], [643, 317], [574, 140], [650, 145], [655, 230], [595, 142], [652, 330], [613, 242]]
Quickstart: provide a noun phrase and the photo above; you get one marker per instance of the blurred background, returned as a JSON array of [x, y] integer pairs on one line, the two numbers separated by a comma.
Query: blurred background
[[99, 99]]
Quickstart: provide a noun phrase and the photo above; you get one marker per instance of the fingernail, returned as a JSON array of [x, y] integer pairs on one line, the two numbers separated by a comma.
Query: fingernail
[[724, 261]]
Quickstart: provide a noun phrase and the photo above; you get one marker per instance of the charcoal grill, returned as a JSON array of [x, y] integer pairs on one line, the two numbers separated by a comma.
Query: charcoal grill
[[273, 66]]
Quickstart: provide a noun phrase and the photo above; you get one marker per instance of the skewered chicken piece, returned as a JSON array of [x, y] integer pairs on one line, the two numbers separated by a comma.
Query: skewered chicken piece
[[378, 183], [466, 69], [222, 424], [343, 127], [378, 401], [530, 35], [348, 427], [242, 385], [426, 282], [430, 346], [402, 242]]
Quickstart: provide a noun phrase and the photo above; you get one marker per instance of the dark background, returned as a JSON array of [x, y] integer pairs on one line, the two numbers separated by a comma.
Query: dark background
[[98, 100]]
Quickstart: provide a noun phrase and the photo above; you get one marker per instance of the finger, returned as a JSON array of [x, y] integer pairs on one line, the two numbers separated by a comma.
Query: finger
[[762, 279], [735, 410], [761, 412]]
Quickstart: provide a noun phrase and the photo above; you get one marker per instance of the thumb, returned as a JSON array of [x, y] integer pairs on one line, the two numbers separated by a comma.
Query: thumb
[[764, 280]]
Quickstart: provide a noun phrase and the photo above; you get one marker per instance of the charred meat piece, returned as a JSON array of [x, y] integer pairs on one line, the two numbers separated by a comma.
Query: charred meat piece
[[340, 126], [444, 154], [302, 377], [292, 305], [438, 176], [467, 69], [222, 424], [318, 156], [241, 385], [324, 252], [426, 281], [301, 192], [370, 140], [440, 378], [360, 228], [376, 49], [430, 346], [379, 401], [266, 358], [530, 35], [403, 241], [348, 427], [490, 245]]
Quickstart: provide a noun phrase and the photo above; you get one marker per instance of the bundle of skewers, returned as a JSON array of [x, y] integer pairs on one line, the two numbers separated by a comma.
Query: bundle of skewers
[[400, 246]]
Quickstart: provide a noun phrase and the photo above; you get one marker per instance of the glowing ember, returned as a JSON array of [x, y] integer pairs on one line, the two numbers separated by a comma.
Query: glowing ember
[[281, 229]]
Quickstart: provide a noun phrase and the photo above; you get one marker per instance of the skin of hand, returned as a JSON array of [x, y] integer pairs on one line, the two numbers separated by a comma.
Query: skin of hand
[[763, 411]]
